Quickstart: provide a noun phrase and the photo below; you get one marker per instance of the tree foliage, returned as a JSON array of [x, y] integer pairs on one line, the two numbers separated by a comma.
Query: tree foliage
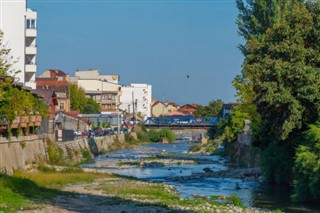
[[15, 101], [212, 110], [281, 65], [80, 102], [280, 81], [307, 166]]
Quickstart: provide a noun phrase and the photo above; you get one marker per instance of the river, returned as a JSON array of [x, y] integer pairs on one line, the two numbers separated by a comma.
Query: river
[[252, 193]]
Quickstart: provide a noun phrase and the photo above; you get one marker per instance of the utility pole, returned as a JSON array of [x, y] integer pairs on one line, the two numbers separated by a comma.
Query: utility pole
[[133, 109], [135, 104]]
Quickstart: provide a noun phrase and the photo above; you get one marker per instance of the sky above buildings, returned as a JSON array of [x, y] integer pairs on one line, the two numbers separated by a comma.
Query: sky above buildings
[[187, 50]]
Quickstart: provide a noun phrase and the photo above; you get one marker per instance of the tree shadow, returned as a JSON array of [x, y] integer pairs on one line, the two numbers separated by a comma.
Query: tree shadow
[[78, 202]]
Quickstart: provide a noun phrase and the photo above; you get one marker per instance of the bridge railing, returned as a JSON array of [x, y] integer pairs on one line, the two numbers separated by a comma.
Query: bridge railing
[[180, 121]]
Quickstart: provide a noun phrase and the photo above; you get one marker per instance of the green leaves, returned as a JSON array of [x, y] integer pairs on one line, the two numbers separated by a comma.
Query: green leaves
[[80, 102]]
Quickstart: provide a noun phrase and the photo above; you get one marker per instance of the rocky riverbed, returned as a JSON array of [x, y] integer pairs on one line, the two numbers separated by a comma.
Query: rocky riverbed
[[104, 195]]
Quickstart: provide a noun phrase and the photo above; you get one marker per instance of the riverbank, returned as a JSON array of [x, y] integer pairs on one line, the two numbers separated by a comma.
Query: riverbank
[[115, 194]]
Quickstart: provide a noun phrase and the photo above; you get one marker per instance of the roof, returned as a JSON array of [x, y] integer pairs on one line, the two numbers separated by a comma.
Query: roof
[[73, 115], [47, 95], [58, 72], [174, 114], [195, 106]]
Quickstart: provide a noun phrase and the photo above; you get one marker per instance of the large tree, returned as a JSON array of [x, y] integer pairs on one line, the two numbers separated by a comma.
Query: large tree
[[211, 110], [281, 75], [80, 102]]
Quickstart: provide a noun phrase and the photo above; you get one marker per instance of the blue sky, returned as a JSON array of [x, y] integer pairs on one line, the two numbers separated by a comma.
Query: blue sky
[[152, 41]]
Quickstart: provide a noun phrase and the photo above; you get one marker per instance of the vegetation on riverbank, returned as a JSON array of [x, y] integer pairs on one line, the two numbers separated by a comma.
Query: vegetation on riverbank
[[153, 135], [279, 90], [25, 190]]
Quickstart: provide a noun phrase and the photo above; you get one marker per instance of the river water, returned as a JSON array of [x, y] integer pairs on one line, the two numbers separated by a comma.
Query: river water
[[252, 193]]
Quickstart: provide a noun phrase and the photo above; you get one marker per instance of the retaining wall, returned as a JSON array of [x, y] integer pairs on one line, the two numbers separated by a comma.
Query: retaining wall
[[17, 153]]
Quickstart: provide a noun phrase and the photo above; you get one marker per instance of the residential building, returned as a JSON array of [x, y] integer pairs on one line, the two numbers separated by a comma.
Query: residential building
[[136, 100], [163, 108], [19, 25], [226, 109], [56, 79], [188, 109], [100, 88], [93, 75]]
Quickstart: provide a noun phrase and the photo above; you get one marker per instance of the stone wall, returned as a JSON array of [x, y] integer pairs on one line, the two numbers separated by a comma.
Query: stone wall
[[17, 153]]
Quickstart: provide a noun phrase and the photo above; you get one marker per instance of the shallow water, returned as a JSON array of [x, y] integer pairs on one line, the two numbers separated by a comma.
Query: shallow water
[[252, 193]]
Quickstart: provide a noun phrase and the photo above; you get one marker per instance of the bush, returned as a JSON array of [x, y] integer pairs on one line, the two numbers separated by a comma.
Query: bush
[[307, 167], [128, 137], [143, 136], [277, 163], [167, 133], [55, 153], [195, 147]]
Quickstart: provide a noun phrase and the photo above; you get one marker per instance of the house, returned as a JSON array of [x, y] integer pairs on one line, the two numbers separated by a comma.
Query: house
[[226, 109], [57, 80], [188, 109], [162, 108], [50, 99]]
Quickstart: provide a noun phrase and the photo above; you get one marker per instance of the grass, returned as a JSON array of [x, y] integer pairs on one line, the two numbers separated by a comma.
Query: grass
[[27, 190], [155, 194]]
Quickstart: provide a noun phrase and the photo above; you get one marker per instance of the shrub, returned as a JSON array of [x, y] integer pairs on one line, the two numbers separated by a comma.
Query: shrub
[[167, 133], [143, 136], [307, 167], [55, 153], [128, 137]]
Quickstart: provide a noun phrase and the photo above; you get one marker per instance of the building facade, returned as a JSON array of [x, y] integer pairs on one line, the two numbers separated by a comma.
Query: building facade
[[136, 99], [19, 26], [56, 79]]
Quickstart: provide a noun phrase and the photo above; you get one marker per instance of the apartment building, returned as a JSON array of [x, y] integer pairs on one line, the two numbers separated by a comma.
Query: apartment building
[[19, 26], [137, 98]]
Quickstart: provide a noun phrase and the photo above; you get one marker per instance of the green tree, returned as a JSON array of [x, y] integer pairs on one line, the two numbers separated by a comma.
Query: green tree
[[281, 72], [80, 102], [91, 107], [212, 110], [14, 101], [307, 166]]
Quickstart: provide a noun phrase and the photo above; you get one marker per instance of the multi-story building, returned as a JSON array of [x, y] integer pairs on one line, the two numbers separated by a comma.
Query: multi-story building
[[19, 26], [104, 89], [136, 98], [163, 108]]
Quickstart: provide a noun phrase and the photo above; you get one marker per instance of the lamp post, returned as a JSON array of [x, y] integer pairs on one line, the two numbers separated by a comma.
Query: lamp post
[[118, 120]]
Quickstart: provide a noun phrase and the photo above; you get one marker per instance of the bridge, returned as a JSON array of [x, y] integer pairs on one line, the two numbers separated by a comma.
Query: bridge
[[183, 126], [180, 122]]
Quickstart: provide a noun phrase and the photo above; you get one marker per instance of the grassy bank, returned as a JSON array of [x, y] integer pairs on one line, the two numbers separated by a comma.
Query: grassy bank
[[29, 190]]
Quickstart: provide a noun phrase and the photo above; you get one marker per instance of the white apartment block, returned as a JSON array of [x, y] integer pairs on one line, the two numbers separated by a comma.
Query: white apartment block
[[137, 97], [95, 74], [19, 25]]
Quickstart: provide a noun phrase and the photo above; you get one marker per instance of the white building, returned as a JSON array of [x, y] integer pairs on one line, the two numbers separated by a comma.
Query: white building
[[137, 97], [19, 27], [95, 74]]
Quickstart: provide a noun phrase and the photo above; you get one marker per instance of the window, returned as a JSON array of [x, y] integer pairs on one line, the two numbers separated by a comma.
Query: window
[[61, 106], [31, 23]]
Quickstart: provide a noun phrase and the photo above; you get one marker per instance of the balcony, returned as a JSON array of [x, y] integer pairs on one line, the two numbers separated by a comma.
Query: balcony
[[32, 50], [31, 68], [31, 32]]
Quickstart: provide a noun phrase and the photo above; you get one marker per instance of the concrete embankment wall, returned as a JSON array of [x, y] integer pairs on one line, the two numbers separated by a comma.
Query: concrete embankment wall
[[17, 153]]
